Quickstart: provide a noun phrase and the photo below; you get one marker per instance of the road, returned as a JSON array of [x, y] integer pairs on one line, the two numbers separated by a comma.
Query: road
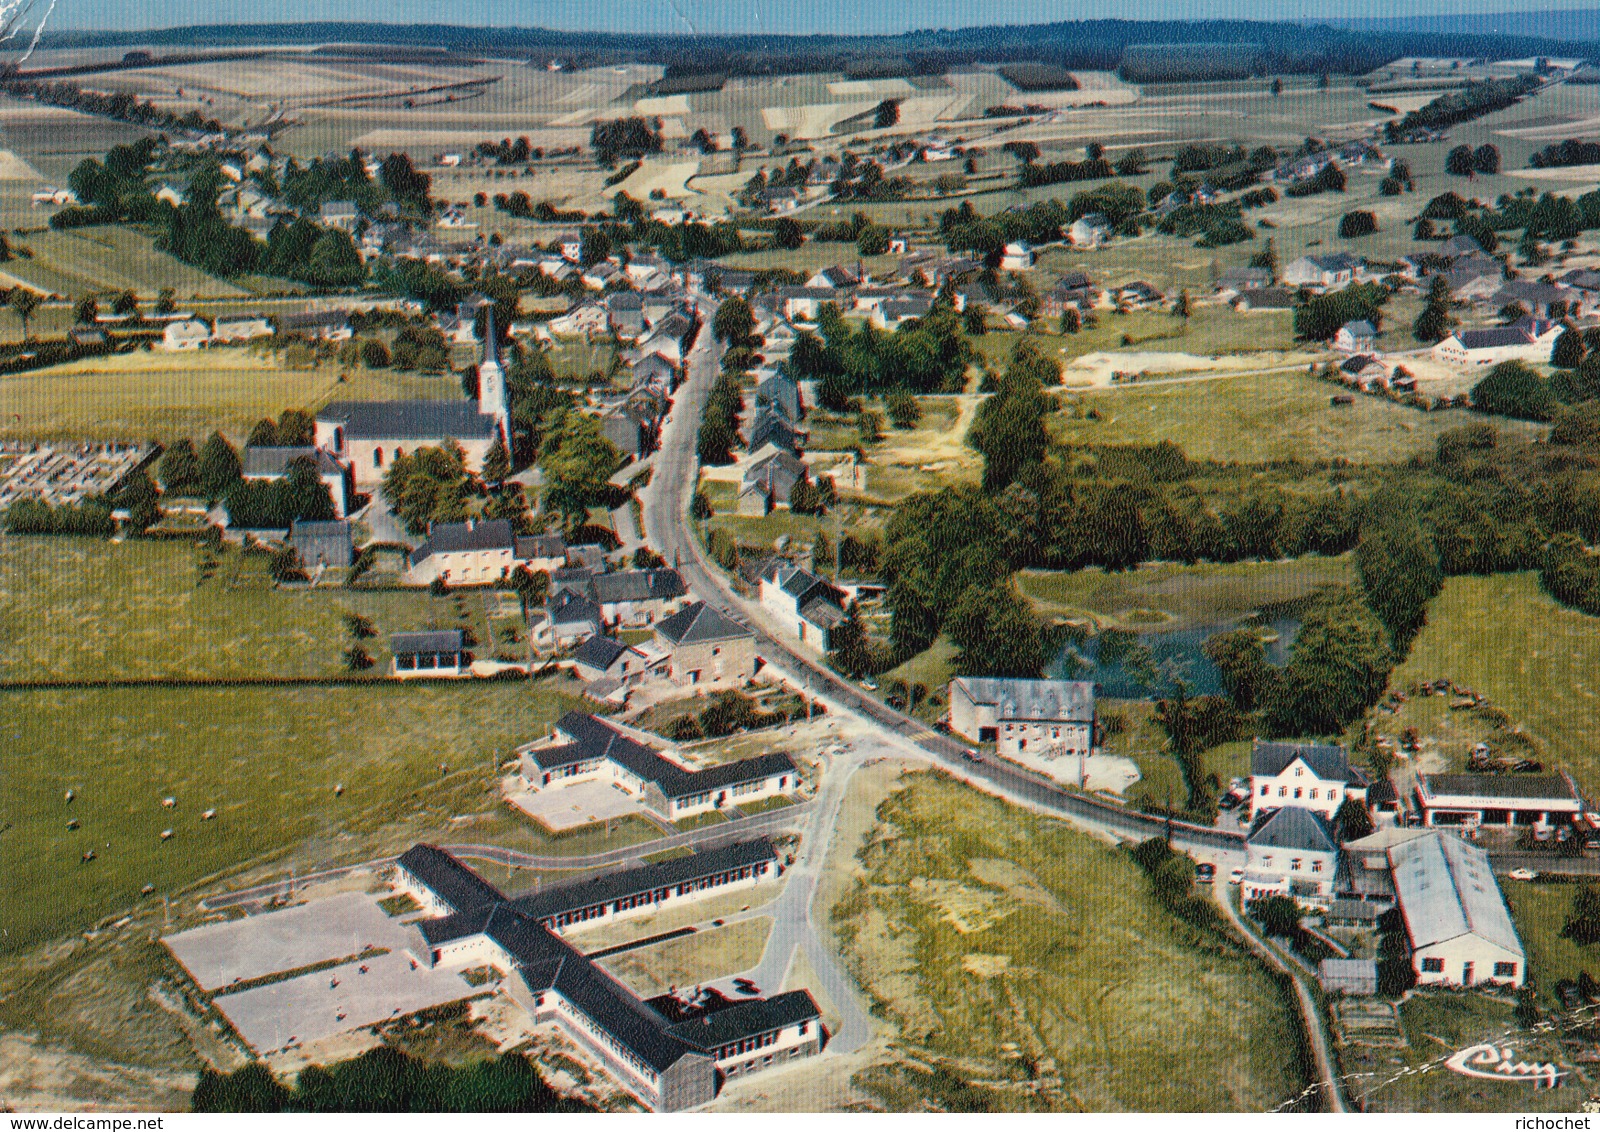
[[669, 531], [735, 830]]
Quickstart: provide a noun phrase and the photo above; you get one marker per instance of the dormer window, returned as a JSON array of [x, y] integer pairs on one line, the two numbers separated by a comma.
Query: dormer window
[[1299, 770]]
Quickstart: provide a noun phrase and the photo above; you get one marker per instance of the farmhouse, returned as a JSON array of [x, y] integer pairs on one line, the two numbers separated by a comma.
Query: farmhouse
[[1237, 279], [1264, 299], [1017, 256], [704, 646], [273, 463], [1291, 851], [837, 277], [808, 607], [604, 658], [1456, 921], [1051, 716], [773, 428], [1328, 272], [1365, 372], [1090, 231], [573, 616], [185, 334], [769, 482], [1357, 337], [1307, 775], [370, 434], [319, 325], [1495, 345], [891, 313], [671, 1056], [475, 552], [241, 328], [583, 748], [439, 653], [1073, 289], [638, 597], [1472, 800]]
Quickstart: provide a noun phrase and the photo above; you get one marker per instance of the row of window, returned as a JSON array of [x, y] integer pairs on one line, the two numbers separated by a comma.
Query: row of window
[[1435, 966], [1283, 792], [639, 900], [1295, 864]]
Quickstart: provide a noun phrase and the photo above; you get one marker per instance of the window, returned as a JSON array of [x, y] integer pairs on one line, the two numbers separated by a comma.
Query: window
[[1313, 791], [1265, 790], [1267, 860], [1316, 866], [1282, 790], [1333, 795], [1433, 966], [1299, 770], [1505, 970], [1295, 864], [1297, 791]]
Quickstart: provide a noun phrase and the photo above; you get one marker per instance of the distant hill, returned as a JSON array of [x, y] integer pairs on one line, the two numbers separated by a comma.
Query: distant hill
[[1089, 44], [1581, 26]]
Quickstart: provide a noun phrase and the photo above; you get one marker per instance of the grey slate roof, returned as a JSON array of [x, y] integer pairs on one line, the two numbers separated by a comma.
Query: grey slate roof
[[782, 394], [450, 880], [274, 461], [1071, 700], [1493, 337], [776, 474], [553, 901], [1327, 762], [438, 640], [1445, 889], [571, 608], [410, 420], [746, 1020], [540, 546], [446, 538], [1508, 786], [599, 652], [660, 584], [1294, 827], [592, 738], [699, 622], [322, 541]]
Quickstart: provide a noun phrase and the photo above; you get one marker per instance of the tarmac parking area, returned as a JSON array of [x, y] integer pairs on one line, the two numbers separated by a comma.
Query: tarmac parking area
[[338, 927], [567, 807]]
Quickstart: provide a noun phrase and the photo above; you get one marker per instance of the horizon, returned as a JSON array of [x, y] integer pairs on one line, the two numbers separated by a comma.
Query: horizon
[[776, 17]]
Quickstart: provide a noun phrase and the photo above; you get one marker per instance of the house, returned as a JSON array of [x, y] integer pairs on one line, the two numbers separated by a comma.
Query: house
[[806, 302], [585, 748], [626, 311], [1091, 231], [170, 194], [1302, 168], [1290, 851], [1472, 800], [586, 319], [1329, 272], [1474, 279], [1494, 345], [1072, 290], [769, 482], [780, 200], [780, 393], [704, 646], [323, 543], [475, 552], [633, 598], [891, 313], [1457, 926], [1016, 256], [603, 658], [837, 278], [1356, 337], [264, 463], [1362, 153], [185, 334], [1311, 776], [808, 607], [438, 653], [669, 1053], [1138, 295], [540, 553], [318, 325], [574, 617], [600, 273], [52, 195], [1264, 299], [671, 336], [1365, 372], [770, 427], [366, 434], [655, 371], [1541, 300], [241, 328], [569, 244], [1048, 716], [87, 336], [1357, 978], [340, 214], [1461, 245]]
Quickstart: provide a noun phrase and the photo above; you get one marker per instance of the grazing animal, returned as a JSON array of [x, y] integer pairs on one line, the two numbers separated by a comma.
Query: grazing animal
[[165, 833], [208, 815], [169, 803], [73, 824], [88, 854], [338, 789], [70, 796], [147, 890]]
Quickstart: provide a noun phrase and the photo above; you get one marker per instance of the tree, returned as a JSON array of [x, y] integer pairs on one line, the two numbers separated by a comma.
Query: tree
[[1423, 230], [1241, 659], [1354, 224], [874, 240], [975, 319], [577, 461], [1183, 307], [1337, 668], [700, 506], [1458, 162], [887, 114], [1353, 819], [1583, 919], [904, 409], [1277, 87], [86, 310], [786, 233], [733, 323], [374, 354], [219, 466], [1277, 915], [1435, 321], [1008, 430], [179, 470], [869, 426], [1486, 159], [1569, 350], [25, 302], [263, 434], [1514, 389], [166, 301], [996, 632], [496, 462], [851, 648]]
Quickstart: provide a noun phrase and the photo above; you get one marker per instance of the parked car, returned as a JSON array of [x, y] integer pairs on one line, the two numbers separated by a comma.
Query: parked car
[[1236, 876], [1522, 874], [870, 685], [1205, 873], [971, 755], [1228, 801]]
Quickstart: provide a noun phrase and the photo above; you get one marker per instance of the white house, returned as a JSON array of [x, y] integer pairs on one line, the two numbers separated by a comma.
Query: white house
[[1328, 272], [476, 552], [1291, 852], [1496, 344], [1472, 800], [1090, 231], [241, 328], [1308, 775], [185, 334], [1041, 716], [1456, 921], [1356, 337], [808, 607], [1017, 256]]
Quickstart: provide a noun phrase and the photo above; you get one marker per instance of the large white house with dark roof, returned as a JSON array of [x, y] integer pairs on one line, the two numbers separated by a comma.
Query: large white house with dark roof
[[1039, 716], [1311, 776], [808, 607], [1291, 852]]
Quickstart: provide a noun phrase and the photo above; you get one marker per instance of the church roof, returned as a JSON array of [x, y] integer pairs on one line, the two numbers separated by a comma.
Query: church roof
[[409, 420]]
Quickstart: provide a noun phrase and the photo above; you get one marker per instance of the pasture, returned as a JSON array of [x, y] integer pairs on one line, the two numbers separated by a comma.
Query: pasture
[[995, 940], [112, 258]]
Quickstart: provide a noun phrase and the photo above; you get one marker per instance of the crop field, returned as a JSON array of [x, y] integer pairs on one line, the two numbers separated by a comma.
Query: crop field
[[1504, 638], [101, 259], [1254, 419], [88, 609], [265, 758], [1009, 949], [144, 394], [1171, 596]]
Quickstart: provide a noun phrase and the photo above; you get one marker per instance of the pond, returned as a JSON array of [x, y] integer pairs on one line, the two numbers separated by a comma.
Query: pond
[[1175, 653]]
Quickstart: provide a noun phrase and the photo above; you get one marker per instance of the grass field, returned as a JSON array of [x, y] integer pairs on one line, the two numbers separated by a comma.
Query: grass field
[[88, 609], [266, 759], [1504, 638], [1256, 419], [1008, 948], [693, 959], [112, 258], [1177, 597], [1539, 911]]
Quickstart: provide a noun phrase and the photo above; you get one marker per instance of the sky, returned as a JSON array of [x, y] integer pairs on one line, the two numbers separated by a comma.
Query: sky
[[707, 16]]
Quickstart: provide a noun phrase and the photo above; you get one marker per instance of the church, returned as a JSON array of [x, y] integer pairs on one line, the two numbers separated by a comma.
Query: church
[[369, 435]]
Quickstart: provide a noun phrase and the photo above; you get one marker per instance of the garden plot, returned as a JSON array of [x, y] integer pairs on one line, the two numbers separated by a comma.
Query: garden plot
[[1097, 370]]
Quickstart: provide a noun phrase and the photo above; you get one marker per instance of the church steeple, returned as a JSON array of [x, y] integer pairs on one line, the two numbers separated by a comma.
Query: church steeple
[[492, 398]]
